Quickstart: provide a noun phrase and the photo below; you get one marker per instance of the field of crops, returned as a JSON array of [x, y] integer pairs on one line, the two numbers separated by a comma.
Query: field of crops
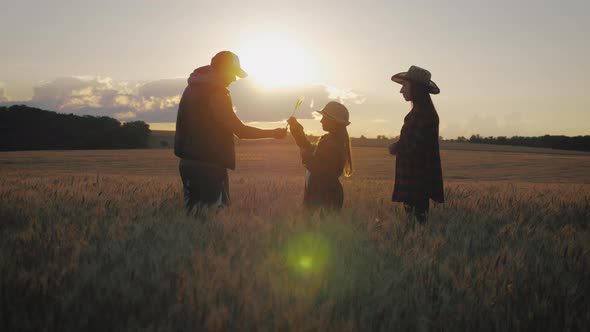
[[97, 240]]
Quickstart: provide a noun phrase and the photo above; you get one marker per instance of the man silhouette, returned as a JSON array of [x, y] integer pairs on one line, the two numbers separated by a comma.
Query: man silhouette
[[205, 128]]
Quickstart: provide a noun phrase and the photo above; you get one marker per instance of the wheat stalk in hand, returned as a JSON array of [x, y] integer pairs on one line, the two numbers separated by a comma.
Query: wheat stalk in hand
[[297, 104]]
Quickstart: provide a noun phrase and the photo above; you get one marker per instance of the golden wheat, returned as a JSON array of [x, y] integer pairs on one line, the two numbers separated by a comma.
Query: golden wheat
[[495, 256], [116, 252]]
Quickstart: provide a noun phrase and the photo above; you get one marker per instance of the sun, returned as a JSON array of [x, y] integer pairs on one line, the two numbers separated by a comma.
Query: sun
[[275, 62]]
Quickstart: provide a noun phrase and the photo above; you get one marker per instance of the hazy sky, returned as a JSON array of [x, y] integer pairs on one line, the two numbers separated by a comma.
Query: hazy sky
[[504, 68]]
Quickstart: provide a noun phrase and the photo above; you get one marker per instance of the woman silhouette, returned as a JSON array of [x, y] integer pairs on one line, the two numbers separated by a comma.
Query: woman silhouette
[[418, 172], [327, 160]]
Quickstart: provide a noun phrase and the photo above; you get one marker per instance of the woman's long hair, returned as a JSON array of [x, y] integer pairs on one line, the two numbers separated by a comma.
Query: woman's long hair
[[421, 100]]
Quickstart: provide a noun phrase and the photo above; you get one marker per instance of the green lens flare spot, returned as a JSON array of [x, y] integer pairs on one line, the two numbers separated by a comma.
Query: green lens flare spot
[[305, 262], [308, 254]]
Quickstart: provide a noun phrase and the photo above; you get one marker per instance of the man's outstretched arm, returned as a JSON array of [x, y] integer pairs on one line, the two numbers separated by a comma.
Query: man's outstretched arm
[[247, 132], [223, 112]]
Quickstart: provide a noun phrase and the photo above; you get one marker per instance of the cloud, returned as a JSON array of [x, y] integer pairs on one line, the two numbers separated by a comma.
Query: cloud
[[345, 95], [157, 101], [255, 104], [151, 101], [3, 96], [162, 88], [62, 91]]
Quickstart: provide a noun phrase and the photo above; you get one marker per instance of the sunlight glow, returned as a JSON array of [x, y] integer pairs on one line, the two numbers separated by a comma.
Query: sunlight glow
[[277, 62]]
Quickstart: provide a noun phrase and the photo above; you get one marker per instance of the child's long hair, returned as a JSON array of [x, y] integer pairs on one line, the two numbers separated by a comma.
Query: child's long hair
[[348, 161], [343, 132]]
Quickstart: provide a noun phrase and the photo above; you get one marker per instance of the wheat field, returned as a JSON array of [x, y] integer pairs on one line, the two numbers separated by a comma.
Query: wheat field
[[97, 240]]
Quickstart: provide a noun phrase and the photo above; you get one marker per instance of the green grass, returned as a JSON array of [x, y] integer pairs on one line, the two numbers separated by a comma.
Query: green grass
[[119, 254]]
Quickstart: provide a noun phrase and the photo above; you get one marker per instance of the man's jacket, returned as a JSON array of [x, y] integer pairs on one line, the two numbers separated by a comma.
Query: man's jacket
[[204, 112]]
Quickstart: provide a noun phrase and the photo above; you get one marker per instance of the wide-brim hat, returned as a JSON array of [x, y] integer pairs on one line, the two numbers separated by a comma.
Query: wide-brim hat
[[417, 75], [337, 112], [228, 60]]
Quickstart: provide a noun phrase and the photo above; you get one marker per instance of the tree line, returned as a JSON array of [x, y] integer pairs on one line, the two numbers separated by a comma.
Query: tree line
[[28, 128], [578, 143]]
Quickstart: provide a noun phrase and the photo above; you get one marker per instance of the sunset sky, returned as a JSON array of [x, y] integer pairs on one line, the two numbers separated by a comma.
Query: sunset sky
[[504, 68]]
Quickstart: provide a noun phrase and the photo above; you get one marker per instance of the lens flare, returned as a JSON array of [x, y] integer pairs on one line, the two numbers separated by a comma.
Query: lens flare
[[305, 262], [308, 254]]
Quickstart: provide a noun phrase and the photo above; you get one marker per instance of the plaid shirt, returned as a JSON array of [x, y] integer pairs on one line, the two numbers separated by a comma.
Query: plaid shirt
[[418, 171]]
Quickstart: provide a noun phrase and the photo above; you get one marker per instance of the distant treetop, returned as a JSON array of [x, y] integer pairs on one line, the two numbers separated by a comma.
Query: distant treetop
[[29, 128]]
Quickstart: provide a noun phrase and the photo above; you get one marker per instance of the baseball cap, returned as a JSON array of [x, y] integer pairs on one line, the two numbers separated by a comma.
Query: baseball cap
[[228, 60]]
